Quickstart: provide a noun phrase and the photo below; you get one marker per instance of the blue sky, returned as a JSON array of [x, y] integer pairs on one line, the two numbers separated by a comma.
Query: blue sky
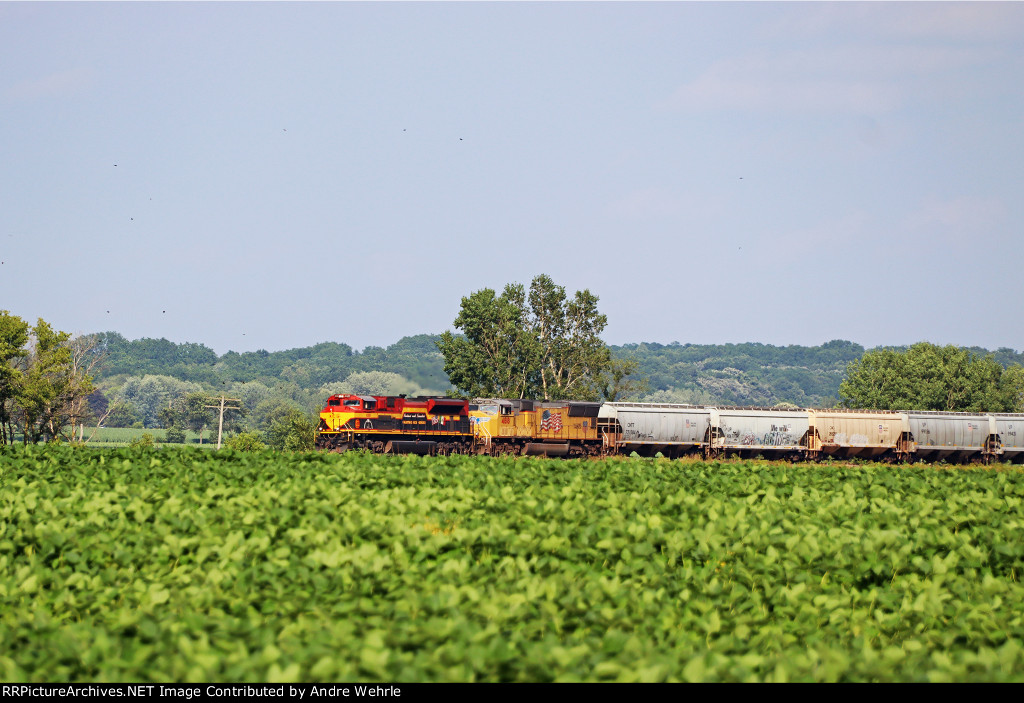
[[273, 175]]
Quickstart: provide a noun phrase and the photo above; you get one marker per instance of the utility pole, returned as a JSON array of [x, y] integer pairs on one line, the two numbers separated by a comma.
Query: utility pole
[[220, 426]]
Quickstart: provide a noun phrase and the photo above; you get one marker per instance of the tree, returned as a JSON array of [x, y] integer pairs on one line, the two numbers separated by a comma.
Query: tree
[[123, 414], [497, 356], [152, 393], [47, 385], [615, 384], [540, 344], [572, 355], [370, 383], [291, 429], [929, 377], [175, 435], [194, 412], [13, 338], [1011, 387]]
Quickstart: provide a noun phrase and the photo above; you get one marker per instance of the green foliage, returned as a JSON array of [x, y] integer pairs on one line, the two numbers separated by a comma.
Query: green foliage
[[44, 380], [245, 442], [123, 414], [152, 394], [539, 344], [13, 338], [415, 358], [174, 435], [195, 412], [144, 440], [290, 429], [372, 383], [741, 374], [618, 381], [929, 377], [180, 564]]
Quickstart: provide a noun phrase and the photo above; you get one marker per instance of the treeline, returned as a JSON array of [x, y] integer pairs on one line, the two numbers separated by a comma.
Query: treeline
[[929, 377], [741, 374], [415, 358], [147, 372], [44, 380]]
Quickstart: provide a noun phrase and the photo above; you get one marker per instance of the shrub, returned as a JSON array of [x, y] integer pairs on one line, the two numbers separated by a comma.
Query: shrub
[[174, 435], [245, 442], [144, 440]]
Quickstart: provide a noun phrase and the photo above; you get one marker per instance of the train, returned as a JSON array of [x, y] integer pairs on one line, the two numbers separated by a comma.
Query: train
[[579, 429]]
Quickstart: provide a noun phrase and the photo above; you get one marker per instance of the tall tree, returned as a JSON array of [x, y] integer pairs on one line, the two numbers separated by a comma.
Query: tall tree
[[86, 358], [47, 385], [195, 413], [929, 377], [540, 344], [497, 356], [13, 338], [572, 355]]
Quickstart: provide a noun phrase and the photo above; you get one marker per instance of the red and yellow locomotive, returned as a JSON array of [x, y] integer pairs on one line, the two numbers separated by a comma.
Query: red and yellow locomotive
[[395, 425]]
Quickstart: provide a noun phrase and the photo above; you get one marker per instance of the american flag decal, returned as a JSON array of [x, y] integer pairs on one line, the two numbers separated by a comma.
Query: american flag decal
[[550, 421]]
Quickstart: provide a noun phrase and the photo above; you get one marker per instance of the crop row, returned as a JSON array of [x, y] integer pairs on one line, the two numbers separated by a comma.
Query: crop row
[[185, 565]]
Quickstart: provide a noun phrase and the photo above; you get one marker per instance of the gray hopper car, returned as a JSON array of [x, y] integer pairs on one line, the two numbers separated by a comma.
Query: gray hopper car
[[676, 430]]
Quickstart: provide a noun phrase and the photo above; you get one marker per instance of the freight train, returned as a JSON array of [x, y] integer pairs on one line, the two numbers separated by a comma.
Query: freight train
[[431, 425]]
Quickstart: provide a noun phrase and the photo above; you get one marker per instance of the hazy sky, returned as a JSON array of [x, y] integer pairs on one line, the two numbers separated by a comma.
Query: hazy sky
[[273, 175]]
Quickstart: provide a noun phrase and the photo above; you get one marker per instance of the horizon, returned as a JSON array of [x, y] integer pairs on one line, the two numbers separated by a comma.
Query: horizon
[[360, 350]]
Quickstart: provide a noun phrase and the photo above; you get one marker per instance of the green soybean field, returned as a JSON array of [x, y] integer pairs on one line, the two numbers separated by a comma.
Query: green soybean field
[[180, 564]]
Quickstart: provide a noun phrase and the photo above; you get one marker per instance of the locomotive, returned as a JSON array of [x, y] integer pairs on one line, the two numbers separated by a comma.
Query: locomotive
[[571, 429], [395, 425]]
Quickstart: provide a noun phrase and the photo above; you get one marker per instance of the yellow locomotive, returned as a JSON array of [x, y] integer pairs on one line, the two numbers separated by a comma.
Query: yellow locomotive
[[533, 428]]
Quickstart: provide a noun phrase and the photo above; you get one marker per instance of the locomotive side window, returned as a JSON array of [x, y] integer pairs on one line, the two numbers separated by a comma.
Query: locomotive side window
[[506, 409]]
